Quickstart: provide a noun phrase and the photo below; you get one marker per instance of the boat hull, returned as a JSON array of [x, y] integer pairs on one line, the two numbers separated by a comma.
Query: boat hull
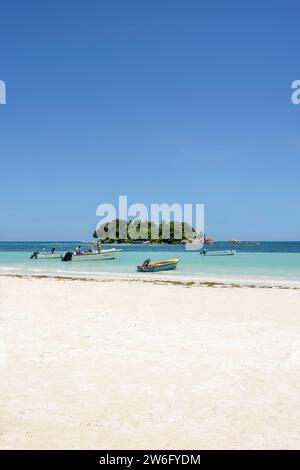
[[220, 253], [94, 257], [49, 256], [85, 258]]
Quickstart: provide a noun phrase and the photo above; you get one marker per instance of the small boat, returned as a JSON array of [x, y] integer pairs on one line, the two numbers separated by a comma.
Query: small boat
[[91, 255], [218, 253], [104, 255], [165, 265]]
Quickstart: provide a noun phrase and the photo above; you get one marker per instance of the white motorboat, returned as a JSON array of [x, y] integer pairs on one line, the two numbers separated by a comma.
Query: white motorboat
[[90, 255], [218, 253]]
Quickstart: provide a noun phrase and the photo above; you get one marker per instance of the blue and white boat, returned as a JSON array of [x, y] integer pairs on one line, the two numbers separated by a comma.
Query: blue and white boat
[[164, 265]]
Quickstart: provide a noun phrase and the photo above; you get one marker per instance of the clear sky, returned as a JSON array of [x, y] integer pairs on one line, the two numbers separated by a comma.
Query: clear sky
[[161, 100]]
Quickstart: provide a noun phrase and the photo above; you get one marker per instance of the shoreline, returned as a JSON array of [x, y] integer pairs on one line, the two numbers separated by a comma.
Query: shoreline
[[185, 281]]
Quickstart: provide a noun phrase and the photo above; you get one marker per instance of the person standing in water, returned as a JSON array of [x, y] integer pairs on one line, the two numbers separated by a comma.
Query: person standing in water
[[78, 250]]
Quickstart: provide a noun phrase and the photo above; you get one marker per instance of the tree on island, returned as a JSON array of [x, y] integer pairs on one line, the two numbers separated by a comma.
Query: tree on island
[[137, 231]]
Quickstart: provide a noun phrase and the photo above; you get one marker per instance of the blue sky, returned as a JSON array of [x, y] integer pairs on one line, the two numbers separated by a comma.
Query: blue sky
[[164, 101]]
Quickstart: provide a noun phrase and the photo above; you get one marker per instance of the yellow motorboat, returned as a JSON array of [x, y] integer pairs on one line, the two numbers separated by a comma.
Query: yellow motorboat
[[164, 265]]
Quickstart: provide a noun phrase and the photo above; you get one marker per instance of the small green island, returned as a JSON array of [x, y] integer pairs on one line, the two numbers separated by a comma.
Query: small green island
[[139, 231]]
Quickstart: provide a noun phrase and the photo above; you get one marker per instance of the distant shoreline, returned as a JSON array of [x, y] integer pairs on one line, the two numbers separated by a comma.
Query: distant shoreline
[[104, 243]]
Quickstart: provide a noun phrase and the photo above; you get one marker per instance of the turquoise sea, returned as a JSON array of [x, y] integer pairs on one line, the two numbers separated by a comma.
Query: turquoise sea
[[260, 261]]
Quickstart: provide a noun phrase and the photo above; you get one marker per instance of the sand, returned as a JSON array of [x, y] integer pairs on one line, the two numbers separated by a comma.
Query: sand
[[135, 365]]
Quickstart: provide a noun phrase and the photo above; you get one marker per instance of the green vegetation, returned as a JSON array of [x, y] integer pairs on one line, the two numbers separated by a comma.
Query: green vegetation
[[138, 231]]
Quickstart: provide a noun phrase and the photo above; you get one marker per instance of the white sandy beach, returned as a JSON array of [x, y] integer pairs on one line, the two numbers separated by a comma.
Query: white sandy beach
[[136, 365]]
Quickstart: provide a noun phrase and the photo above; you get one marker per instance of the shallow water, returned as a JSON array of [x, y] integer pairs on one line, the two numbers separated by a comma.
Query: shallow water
[[255, 261]]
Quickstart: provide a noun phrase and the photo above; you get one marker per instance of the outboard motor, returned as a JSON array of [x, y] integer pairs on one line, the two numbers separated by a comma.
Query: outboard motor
[[34, 255], [146, 264], [68, 256]]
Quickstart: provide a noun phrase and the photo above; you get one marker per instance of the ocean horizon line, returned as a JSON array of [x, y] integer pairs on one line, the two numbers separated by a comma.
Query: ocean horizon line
[[133, 243]]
